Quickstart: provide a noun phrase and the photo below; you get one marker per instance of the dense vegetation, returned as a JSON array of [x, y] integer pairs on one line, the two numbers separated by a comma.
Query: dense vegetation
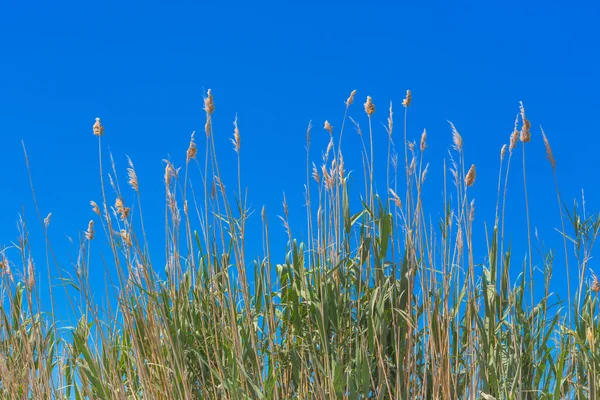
[[378, 303]]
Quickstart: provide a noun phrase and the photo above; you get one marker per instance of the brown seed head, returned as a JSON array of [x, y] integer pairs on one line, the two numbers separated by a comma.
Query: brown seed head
[[133, 180], [424, 140], [549, 154], [456, 138], [470, 178], [595, 286], [95, 207], [89, 234], [315, 174], [407, 99], [30, 272], [98, 128], [209, 103], [191, 151], [502, 152], [369, 106], [236, 137], [126, 236], [525, 134], [328, 127], [351, 98], [47, 220], [121, 209], [396, 199]]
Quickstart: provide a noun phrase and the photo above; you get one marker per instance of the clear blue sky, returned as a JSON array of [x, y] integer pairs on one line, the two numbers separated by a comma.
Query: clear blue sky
[[143, 67]]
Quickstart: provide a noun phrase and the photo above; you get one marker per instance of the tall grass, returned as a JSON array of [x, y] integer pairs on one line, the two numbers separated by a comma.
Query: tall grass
[[378, 302]]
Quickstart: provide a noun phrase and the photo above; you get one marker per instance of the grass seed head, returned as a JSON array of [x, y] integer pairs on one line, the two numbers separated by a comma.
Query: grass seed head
[[424, 140], [369, 106], [133, 179], [470, 178], [351, 98], [236, 137], [456, 138], [209, 103], [595, 286], [407, 99], [47, 220], [525, 134], [502, 152], [95, 207], [549, 154], [191, 151], [328, 127], [121, 209], [98, 128], [89, 234]]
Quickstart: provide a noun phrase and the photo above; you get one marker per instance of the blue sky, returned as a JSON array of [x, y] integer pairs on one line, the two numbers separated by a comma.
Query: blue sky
[[143, 68]]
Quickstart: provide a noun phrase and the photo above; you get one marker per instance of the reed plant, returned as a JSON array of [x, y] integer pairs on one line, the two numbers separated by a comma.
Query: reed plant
[[377, 301]]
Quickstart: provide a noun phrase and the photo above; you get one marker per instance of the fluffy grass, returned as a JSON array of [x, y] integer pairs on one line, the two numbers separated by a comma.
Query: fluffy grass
[[378, 303]]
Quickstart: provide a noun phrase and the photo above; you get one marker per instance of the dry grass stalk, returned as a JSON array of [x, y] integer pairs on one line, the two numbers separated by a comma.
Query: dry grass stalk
[[328, 127], [132, 176], [407, 99], [121, 209], [30, 272], [236, 136], [390, 120], [98, 128], [191, 151], [209, 103], [525, 134], [456, 138], [89, 234], [396, 198], [549, 154], [47, 220], [502, 152], [351, 98], [595, 286], [95, 207], [424, 140], [369, 106], [470, 178], [315, 174], [126, 236]]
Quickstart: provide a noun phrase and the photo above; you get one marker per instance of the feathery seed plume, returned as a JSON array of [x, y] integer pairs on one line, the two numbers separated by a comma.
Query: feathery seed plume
[[502, 152], [89, 234], [47, 220], [369, 106], [236, 136], [424, 140], [328, 127], [470, 178], [209, 103], [549, 154], [315, 174], [595, 286], [121, 209], [351, 98], [133, 179], [191, 151], [525, 134], [397, 200], [98, 128], [456, 138], [407, 99], [95, 207]]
